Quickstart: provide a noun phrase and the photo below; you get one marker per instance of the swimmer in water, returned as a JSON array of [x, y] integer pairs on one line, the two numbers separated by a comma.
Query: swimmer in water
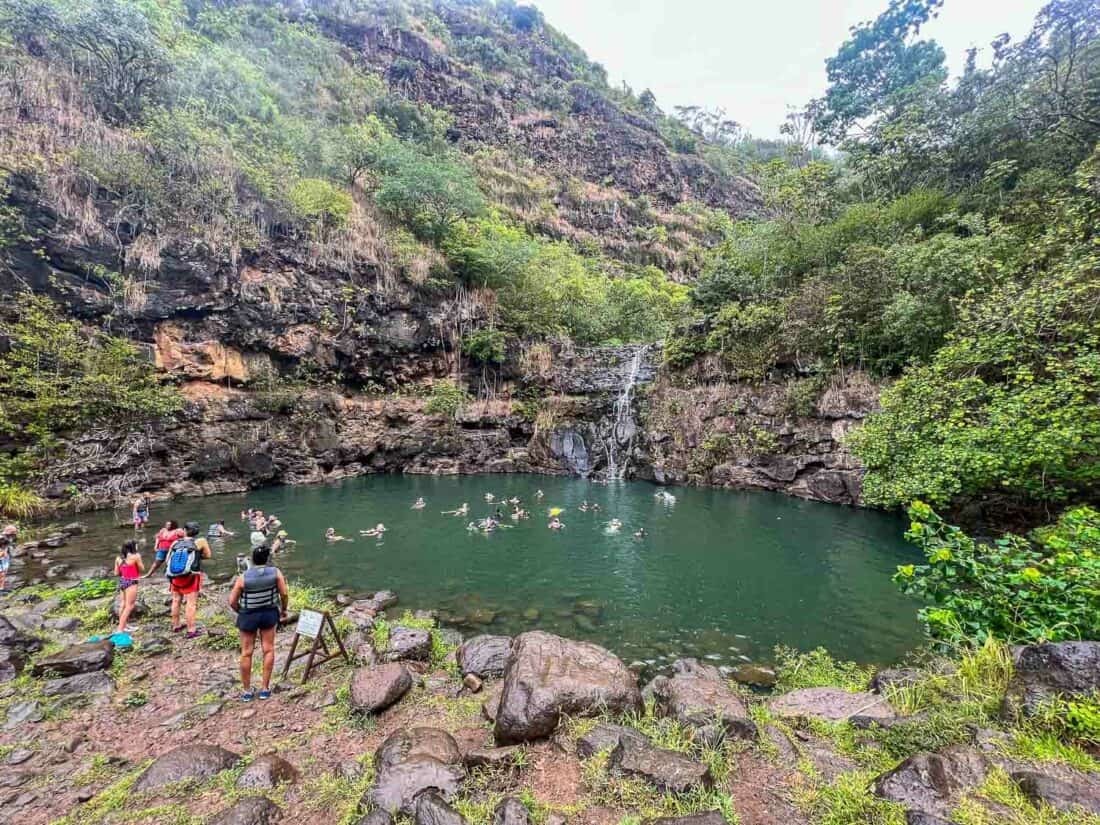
[[595, 507], [555, 524], [584, 507], [640, 533], [332, 538], [375, 531], [514, 501], [538, 493], [419, 504], [614, 526], [461, 511], [472, 527], [489, 497]]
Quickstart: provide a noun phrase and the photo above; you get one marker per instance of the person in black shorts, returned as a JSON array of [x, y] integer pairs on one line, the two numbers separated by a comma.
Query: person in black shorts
[[260, 599]]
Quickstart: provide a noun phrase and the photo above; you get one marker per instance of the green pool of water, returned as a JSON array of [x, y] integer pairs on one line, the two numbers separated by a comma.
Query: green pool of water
[[722, 575]]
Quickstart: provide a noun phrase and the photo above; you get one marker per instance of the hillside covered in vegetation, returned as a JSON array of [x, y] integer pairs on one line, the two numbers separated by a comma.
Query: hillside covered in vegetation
[[386, 197]]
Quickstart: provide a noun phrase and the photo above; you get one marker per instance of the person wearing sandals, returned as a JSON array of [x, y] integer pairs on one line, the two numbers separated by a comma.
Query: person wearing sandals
[[260, 599], [128, 568], [184, 571]]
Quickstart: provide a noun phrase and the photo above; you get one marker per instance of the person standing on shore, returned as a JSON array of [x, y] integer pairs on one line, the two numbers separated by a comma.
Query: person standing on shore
[[128, 568], [260, 598], [7, 544], [184, 571]]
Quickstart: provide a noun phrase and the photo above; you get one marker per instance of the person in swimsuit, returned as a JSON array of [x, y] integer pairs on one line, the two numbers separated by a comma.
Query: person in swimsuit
[[218, 530], [555, 524], [186, 588], [7, 544], [260, 599], [166, 536], [141, 512], [128, 568], [419, 504]]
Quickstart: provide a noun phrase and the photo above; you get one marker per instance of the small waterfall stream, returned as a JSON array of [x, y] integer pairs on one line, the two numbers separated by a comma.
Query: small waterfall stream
[[617, 439]]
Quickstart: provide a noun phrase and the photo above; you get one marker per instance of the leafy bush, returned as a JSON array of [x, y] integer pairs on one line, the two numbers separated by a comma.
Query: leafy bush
[[1045, 589], [321, 202], [430, 193], [446, 399], [17, 501], [485, 346]]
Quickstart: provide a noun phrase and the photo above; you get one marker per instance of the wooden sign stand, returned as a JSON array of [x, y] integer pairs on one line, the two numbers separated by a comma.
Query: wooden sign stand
[[310, 627]]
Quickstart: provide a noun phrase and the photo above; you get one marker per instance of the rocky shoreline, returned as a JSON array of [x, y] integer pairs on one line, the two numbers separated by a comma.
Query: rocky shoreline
[[444, 730]]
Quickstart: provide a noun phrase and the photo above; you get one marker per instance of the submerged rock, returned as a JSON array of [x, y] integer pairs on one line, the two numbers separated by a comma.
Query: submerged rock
[[549, 676], [1052, 669]]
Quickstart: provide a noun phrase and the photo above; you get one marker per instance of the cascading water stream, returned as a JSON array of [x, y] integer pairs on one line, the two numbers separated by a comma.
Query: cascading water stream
[[623, 406]]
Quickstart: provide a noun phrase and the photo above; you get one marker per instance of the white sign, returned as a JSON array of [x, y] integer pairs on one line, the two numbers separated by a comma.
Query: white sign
[[309, 623]]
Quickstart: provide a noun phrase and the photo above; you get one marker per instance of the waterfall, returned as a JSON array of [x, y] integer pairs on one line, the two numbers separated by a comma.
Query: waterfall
[[623, 405]]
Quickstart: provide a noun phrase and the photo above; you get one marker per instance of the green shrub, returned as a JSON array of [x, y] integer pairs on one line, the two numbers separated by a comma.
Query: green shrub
[[447, 399], [1014, 589], [320, 202], [486, 346]]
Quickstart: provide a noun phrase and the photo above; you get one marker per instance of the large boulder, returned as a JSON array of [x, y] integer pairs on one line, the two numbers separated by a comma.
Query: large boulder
[[412, 762], [933, 783], [196, 761], [410, 643], [696, 695], [432, 809], [373, 689], [252, 810], [267, 772], [1052, 669], [83, 658], [548, 676], [831, 704], [666, 770], [1070, 794], [485, 656]]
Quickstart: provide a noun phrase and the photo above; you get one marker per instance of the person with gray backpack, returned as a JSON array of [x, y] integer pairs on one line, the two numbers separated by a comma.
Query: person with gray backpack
[[260, 599], [184, 571]]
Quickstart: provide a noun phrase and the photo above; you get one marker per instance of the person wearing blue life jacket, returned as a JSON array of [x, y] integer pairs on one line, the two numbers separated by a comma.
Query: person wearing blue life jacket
[[260, 599]]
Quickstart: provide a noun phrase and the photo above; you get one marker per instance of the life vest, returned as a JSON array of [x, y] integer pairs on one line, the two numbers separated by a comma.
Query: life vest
[[261, 588]]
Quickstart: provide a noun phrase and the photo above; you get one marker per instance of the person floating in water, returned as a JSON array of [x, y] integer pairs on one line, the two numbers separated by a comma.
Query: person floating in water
[[614, 526], [555, 524], [595, 507], [584, 507], [218, 530], [419, 504], [375, 531], [472, 527], [640, 533], [281, 542], [461, 511], [332, 538], [538, 493], [489, 497]]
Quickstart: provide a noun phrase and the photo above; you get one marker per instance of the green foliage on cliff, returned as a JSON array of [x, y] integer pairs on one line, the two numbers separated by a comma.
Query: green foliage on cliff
[[1046, 588], [950, 245], [56, 377]]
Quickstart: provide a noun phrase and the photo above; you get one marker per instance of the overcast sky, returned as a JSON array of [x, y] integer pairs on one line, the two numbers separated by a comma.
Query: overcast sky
[[753, 57]]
